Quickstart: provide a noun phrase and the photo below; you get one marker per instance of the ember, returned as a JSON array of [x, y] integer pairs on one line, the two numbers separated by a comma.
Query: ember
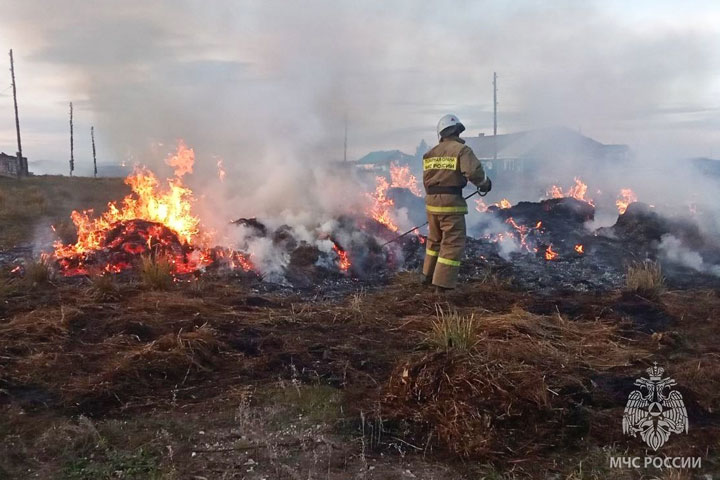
[[550, 254], [579, 249]]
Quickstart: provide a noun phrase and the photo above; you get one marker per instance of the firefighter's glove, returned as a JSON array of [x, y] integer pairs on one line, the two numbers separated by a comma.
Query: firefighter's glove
[[485, 186]]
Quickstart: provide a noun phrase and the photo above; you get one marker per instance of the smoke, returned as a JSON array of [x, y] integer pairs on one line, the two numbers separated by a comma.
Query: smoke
[[672, 250], [492, 228], [267, 88]]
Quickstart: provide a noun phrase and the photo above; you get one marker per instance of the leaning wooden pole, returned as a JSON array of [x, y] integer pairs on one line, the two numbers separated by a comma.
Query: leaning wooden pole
[[92, 137], [72, 145], [22, 168]]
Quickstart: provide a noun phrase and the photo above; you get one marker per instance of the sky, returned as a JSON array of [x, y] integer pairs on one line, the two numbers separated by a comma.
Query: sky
[[248, 81]]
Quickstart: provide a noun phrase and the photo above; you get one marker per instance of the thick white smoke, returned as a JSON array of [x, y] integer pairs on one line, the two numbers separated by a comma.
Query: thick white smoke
[[672, 249]]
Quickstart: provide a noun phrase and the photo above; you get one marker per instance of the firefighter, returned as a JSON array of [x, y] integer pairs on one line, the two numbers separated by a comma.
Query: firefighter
[[447, 168]]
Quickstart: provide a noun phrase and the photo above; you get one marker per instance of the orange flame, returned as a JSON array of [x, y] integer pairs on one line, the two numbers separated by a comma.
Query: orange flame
[[183, 160], [504, 203], [169, 205], [625, 198], [343, 260], [401, 177], [381, 207], [550, 254], [577, 191], [481, 206], [579, 249]]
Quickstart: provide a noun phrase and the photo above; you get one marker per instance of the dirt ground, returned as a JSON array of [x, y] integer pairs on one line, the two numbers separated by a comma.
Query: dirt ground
[[228, 378]]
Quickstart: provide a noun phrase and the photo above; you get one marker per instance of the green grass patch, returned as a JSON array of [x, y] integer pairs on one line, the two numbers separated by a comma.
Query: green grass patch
[[309, 403], [138, 464]]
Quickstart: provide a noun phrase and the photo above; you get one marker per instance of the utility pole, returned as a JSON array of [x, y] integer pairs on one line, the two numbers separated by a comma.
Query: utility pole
[[345, 145], [72, 158], [22, 168], [92, 137], [495, 114]]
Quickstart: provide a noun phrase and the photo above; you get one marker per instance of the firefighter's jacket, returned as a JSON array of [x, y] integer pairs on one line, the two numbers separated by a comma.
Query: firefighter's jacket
[[447, 167]]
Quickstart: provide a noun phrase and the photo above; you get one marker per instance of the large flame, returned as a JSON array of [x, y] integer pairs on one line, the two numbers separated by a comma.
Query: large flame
[[167, 205], [382, 207]]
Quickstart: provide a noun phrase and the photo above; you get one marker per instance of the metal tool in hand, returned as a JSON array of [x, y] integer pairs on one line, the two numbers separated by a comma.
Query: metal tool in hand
[[420, 226]]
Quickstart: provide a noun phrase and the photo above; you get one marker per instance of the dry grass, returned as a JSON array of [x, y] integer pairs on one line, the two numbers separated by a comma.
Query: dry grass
[[645, 278], [452, 331], [156, 272], [49, 200], [7, 286], [103, 287], [521, 370], [38, 271], [171, 355], [31, 202]]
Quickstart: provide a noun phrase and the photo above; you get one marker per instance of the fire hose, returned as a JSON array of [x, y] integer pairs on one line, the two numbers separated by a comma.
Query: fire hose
[[420, 226]]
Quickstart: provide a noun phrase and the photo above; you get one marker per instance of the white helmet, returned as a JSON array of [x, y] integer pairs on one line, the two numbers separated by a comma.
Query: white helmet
[[450, 120]]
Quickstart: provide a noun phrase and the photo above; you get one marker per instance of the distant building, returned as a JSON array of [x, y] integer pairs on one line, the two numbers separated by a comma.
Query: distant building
[[10, 166], [539, 149], [380, 161]]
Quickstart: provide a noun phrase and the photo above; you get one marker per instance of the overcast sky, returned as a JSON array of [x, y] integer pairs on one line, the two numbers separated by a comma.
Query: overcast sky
[[246, 79]]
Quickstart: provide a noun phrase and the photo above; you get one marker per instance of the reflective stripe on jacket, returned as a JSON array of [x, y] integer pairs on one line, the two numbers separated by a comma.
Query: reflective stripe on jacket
[[451, 163]]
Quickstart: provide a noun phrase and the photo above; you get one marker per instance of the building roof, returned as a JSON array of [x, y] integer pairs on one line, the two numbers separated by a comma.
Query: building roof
[[542, 143], [385, 157], [5, 155]]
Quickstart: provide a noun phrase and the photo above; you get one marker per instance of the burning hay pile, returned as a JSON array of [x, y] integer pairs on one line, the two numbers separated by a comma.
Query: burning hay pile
[[522, 386], [158, 220], [152, 220]]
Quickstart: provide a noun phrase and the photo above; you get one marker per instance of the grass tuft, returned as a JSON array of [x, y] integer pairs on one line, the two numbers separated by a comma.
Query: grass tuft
[[38, 271], [156, 272], [103, 287], [452, 331], [645, 278]]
